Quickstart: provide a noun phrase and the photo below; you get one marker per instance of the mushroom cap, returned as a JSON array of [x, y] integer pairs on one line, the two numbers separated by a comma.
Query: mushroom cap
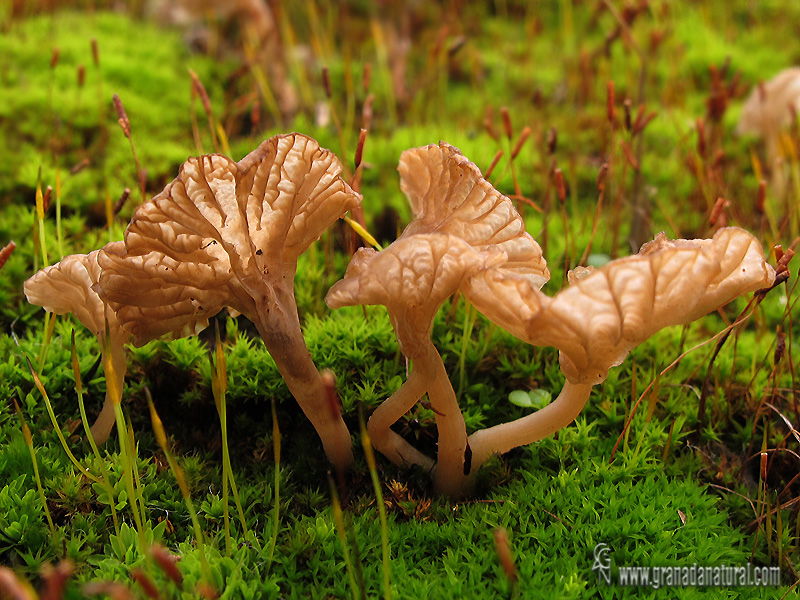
[[223, 234], [603, 315], [412, 278], [767, 108], [448, 194], [67, 287]]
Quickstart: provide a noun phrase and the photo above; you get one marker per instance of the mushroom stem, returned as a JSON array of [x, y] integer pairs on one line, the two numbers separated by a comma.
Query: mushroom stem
[[386, 441], [531, 428], [449, 477], [101, 428], [285, 343], [428, 374]]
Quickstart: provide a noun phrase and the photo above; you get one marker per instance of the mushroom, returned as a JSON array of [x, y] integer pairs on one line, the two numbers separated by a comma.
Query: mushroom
[[229, 234], [412, 278], [598, 319], [67, 287], [462, 226], [771, 107]]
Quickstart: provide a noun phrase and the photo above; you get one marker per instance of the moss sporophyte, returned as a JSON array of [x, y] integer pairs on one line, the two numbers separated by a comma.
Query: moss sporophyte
[[229, 234]]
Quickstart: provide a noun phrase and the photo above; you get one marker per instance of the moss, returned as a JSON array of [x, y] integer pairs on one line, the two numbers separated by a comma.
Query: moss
[[558, 498], [51, 122]]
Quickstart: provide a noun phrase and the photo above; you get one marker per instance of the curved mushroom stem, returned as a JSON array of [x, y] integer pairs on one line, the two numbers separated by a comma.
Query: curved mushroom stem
[[387, 442], [449, 476], [288, 349], [427, 375], [531, 428], [101, 428]]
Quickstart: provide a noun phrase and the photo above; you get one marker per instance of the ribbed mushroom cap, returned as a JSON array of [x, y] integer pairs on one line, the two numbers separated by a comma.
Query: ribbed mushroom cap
[[768, 108], [219, 232], [67, 287], [411, 278], [596, 321], [448, 194]]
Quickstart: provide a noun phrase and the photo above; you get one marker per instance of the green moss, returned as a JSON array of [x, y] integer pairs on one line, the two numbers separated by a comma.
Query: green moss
[[558, 498]]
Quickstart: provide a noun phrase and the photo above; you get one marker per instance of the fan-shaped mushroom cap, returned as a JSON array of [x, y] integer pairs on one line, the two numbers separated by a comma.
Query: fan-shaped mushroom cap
[[768, 108], [598, 319], [448, 194], [411, 278], [214, 235], [67, 287]]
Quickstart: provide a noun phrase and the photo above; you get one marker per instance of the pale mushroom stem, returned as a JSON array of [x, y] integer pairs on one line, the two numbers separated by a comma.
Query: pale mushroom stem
[[285, 343], [386, 441], [101, 428], [428, 374], [531, 428], [449, 476]]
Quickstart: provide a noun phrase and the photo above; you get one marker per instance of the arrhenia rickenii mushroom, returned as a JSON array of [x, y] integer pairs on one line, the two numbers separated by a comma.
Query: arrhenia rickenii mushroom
[[229, 234], [603, 314], [67, 287], [771, 107], [412, 278], [462, 226]]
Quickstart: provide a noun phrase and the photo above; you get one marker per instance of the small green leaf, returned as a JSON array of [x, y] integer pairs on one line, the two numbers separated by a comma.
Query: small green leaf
[[530, 399], [539, 398], [520, 398]]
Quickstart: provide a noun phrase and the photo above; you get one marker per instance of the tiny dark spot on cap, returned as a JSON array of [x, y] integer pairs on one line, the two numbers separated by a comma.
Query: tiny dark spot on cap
[[259, 252]]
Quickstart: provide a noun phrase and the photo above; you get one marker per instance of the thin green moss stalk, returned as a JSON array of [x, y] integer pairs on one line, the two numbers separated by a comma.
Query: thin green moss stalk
[[40, 219], [297, 68], [219, 385], [376, 484], [137, 482], [382, 53], [276, 450], [225, 472], [326, 79], [128, 462], [104, 481], [338, 519], [40, 249], [261, 81], [223, 139], [109, 207], [26, 433], [198, 143], [49, 325], [466, 334], [59, 232], [161, 438], [38, 383]]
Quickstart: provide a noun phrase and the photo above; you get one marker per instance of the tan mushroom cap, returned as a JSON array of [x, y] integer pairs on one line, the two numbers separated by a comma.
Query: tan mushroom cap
[[67, 287], [214, 234], [596, 321], [411, 278], [768, 108], [448, 194]]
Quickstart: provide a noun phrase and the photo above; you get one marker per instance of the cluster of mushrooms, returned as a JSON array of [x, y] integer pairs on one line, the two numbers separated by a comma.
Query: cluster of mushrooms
[[227, 234]]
